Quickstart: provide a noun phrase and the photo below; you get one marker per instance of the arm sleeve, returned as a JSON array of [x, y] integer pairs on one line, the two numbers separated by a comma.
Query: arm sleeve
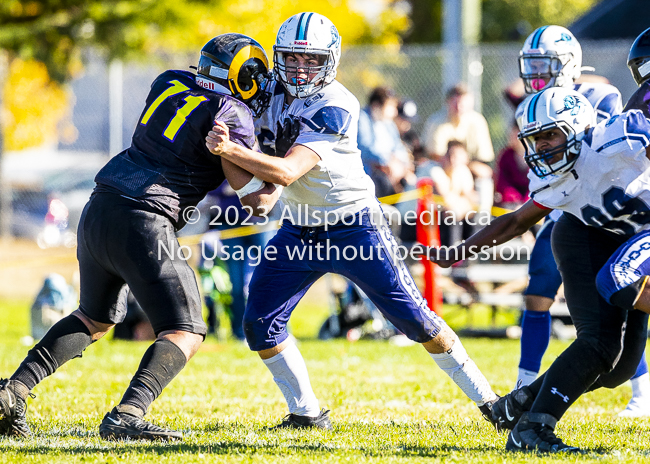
[[240, 123], [325, 128]]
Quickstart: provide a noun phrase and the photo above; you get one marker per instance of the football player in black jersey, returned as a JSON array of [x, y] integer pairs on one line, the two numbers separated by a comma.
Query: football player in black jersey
[[638, 61], [126, 234]]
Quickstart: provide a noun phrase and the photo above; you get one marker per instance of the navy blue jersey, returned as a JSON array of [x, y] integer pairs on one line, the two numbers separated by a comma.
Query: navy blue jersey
[[640, 100], [168, 167]]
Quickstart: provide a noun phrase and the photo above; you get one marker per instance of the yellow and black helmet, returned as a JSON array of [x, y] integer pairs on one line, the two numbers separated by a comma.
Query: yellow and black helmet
[[236, 65]]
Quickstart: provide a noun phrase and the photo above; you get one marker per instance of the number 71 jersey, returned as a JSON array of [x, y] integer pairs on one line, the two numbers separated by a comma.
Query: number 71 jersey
[[168, 167], [609, 185]]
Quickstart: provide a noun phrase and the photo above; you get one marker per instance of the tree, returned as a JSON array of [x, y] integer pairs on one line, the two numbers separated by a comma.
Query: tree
[[502, 20], [54, 32], [514, 19]]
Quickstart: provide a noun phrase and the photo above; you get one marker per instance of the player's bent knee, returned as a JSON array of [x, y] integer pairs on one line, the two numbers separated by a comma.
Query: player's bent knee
[[257, 334], [94, 327], [188, 342]]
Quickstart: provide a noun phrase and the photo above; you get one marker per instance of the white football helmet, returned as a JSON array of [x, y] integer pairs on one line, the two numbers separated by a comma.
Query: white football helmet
[[309, 33], [555, 108], [551, 57]]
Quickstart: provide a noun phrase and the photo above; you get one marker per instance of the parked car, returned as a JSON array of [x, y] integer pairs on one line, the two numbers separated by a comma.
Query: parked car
[[49, 213]]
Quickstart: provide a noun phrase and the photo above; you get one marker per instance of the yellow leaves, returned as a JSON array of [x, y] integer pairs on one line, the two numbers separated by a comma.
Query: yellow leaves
[[35, 108]]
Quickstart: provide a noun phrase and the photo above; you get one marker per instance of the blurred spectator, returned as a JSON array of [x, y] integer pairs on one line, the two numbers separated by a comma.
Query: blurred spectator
[[453, 181], [460, 122], [384, 156], [55, 300], [511, 173], [407, 115]]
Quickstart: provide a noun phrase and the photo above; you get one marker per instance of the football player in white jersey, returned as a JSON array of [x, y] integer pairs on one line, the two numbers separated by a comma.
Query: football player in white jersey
[[331, 220], [598, 176], [552, 57]]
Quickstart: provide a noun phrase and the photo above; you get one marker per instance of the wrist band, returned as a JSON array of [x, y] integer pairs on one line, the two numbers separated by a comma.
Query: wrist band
[[253, 185]]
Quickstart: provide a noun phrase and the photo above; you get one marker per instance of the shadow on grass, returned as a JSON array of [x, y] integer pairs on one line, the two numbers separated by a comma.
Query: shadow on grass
[[351, 439]]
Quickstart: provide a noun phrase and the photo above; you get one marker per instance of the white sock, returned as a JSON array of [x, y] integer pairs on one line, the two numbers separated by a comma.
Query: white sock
[[525, 377], [641, 387], [290, 374], [462, 370]]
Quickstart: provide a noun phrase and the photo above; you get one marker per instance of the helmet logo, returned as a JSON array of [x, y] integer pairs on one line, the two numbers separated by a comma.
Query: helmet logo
[[571, 104], [283, 31], [238, 61], [564, 37], [300, 42], [335, 36]]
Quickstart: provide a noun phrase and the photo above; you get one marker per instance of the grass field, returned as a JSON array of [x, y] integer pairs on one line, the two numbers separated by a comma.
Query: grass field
[[388, 404]]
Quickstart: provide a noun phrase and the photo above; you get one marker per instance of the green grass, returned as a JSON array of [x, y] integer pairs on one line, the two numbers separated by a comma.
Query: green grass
[[388, 404]]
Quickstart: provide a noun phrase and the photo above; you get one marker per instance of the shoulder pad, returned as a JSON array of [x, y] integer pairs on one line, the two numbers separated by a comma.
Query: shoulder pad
[[329, 120]]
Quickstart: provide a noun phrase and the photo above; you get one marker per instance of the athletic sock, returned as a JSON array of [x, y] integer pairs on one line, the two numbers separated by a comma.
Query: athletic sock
[[65, 340], [642, 368], [160, 364], [641, 388], [457, 364], [525, 377], [568, 378], [535, 335], [290, 374]]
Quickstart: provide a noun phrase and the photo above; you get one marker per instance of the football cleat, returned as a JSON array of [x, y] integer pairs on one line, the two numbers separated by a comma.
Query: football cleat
[[322, 421], [507, 410], [12, 408], [124, 425], [486, 410], [636, 408], [535, 432]]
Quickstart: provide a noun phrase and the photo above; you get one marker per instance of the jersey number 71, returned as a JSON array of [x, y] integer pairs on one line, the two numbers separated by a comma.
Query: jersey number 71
[[192, 102]]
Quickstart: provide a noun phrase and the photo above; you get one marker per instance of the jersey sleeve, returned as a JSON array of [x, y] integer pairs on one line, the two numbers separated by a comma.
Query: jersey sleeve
[[239, 120], [323, 127], [609, 105], [627, 134], [541, 206]]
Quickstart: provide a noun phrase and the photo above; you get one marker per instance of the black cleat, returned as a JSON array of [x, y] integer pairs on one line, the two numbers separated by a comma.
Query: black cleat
[[122, 425], [507, 410], [294, 421], [12, 409], [486, 410], [535, 432]]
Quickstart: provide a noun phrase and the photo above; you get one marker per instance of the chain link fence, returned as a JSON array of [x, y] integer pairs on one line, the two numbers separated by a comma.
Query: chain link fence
[[108, 100]]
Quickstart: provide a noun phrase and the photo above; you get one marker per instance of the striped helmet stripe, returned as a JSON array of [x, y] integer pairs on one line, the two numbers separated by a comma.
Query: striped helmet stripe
[[299, 27], [532, 106], [537, 37], [303, 23]]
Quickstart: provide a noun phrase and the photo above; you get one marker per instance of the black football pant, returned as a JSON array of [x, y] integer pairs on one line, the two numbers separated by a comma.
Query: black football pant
[[118, 244], [610, 340]]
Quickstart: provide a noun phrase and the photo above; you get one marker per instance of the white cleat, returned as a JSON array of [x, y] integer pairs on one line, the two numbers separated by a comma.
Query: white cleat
[[636, 408]]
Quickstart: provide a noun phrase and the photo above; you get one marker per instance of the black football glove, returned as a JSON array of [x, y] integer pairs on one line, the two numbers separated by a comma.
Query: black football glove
[[287, 136]]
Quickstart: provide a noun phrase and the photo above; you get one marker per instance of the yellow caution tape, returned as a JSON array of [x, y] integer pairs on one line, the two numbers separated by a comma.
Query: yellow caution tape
[[242, 231]]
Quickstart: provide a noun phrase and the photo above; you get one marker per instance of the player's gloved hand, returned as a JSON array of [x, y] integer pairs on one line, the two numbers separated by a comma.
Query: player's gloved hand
[[218, 138], [442, 256], [287, 136]]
